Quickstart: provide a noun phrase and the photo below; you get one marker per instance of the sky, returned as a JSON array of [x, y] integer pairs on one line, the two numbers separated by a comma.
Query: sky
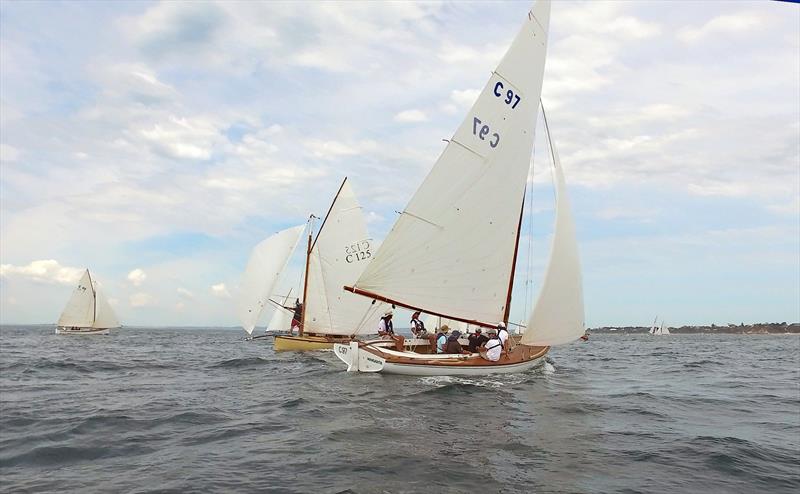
[[157, 142]]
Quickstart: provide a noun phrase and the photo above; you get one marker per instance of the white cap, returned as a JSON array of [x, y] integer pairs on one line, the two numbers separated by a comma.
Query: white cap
[[387, 313], [501, 324]]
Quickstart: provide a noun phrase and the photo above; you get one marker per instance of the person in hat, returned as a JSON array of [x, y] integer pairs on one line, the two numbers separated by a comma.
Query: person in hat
[[493, 348], [452, 345], [502, 333], [386, 330], [441, 338], [476, 340], [417, 326]]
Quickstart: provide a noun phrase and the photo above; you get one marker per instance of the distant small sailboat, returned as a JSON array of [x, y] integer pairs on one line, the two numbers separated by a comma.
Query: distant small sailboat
[[87, 311], [657, 330]]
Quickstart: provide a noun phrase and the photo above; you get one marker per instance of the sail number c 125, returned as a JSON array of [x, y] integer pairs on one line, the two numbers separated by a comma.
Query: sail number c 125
[[358, 251]]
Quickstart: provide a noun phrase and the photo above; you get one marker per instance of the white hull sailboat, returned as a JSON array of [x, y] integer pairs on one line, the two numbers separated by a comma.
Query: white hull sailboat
[[452, 251], [336, 256], [87, 311]]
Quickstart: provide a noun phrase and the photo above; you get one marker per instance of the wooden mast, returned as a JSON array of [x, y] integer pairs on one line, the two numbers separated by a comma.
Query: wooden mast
[[507, 310], [308, 255], [305, 278]]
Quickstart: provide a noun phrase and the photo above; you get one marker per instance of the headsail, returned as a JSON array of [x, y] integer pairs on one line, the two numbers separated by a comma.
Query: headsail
[[558, 315], [79, 311], [264, 268], [104, 314], [450, 252], [338, 256]]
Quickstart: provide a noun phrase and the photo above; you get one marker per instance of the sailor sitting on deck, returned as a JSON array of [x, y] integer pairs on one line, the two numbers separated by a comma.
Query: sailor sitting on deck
[[492, 349], [452, 345], [476, 340], [440, 339], [386, 330]]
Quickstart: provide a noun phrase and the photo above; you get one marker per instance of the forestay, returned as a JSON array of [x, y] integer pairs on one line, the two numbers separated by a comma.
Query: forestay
[[450, 251], [267, 262], [338, 256], [79, 311], [558, 315]]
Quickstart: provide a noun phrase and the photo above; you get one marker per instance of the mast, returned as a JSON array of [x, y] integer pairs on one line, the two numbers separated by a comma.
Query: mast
[[308, 255], [305, 277], [513, 264], [94, 298]]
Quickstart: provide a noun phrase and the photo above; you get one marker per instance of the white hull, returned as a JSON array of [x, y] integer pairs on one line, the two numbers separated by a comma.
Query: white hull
[[436, 370], [60, 330], [358, 359]]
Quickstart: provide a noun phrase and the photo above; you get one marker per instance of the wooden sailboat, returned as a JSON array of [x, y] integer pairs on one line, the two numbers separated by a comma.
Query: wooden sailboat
[[87, 311], [336, 256], [452, 251]]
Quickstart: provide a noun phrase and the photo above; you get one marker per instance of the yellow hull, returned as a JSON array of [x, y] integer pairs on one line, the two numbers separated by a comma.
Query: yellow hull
[[306, 343]]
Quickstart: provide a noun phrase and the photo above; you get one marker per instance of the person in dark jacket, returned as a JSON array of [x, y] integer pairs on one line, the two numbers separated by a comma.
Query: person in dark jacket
[[452, 345], [477, 339]]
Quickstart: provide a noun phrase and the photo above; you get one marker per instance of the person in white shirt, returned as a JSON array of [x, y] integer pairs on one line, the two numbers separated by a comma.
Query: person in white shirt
[[492, 349], [502, 333]]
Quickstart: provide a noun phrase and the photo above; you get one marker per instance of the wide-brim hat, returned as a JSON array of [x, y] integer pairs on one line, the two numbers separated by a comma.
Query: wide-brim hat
[[445, 328], [388, 313]]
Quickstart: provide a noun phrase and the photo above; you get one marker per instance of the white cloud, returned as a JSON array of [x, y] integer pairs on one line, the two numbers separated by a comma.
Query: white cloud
[[137, 277], [464, 98], [220, 290], [46, 270], [724, 24], [410, 116], [184, 293], [141, 299], [8, 153], [180, 306], [183, 138]]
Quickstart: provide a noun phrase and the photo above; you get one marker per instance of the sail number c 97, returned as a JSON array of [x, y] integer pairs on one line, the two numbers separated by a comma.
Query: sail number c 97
[[510, 96], [483, 130]]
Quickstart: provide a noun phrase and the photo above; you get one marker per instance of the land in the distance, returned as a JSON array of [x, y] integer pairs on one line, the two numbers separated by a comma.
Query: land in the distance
[[760, 328]]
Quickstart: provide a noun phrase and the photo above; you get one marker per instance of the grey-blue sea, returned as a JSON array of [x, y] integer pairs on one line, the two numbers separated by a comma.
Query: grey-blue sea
[[201, 410]]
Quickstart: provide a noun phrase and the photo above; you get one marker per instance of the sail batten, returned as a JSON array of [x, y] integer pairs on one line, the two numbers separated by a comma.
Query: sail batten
[[452, 250]]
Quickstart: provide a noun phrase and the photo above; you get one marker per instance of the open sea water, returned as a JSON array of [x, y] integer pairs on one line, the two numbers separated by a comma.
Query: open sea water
[[200, 410]]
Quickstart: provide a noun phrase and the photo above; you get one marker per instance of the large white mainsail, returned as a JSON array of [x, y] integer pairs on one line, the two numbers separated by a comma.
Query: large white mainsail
[[558, 315], [79, 312], [339, 254], [451, 250], [267, 262]]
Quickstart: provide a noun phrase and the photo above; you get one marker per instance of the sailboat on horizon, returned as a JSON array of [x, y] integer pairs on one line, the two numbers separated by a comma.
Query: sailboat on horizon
[[87, 311], [453, 250]]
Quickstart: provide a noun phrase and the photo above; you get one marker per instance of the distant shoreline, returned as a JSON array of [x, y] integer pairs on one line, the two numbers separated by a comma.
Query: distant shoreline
[[761, 328]]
